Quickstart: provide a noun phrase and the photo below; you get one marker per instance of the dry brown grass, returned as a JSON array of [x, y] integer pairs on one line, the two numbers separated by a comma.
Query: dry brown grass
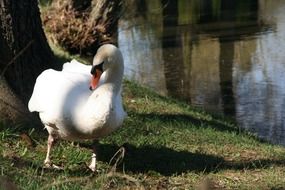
[[73, 29]]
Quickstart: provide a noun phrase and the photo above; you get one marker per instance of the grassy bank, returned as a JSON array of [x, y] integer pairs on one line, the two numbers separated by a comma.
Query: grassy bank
[[167, 145]]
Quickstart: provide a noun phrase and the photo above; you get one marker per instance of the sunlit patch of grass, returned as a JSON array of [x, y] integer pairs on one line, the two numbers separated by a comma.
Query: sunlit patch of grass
[[168, 145]]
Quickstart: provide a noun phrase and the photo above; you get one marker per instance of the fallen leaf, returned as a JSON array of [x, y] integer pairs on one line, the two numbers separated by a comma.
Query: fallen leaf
[[27, 140]]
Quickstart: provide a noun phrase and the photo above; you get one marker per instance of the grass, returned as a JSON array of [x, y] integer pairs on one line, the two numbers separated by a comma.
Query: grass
[[167, 144]]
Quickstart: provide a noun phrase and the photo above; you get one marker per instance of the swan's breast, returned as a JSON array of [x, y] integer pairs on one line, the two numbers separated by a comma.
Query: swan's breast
[[103, 113]]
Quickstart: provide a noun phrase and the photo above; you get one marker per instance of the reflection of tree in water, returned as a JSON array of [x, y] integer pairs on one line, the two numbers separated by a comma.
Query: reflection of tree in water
[[226, 20], [226, 77], [173, 58], [139, 40], [217, 53]]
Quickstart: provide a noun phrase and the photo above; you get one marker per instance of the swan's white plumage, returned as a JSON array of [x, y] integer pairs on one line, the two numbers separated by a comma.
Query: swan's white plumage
[[75, 66], [67, 107]]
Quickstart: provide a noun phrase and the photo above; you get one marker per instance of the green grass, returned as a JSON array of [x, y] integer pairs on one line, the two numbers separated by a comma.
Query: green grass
[[168, 145]]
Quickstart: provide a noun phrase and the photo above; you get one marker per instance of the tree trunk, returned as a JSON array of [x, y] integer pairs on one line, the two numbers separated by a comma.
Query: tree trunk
[[104, 19], [24, 54]]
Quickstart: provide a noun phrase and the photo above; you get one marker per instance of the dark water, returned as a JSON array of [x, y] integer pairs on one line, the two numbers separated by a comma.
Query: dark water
[[224, 56]]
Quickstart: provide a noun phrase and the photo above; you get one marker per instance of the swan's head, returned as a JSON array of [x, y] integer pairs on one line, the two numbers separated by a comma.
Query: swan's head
[[108, 56]]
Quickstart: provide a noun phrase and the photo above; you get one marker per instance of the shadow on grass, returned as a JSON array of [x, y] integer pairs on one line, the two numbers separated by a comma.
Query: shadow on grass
[[147, 160], [168, 162], [160, 159]]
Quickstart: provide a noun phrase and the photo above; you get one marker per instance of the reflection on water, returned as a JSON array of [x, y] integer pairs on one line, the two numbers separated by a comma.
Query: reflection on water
[[224, 56]]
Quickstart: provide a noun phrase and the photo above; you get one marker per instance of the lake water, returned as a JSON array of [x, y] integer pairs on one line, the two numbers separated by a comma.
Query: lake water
[[223, 56]]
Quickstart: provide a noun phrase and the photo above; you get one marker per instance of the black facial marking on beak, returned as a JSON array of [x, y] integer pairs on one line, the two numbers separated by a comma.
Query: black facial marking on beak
[[99, 67]]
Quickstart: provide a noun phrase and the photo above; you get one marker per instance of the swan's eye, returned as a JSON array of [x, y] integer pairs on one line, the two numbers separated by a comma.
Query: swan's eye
[[95, 67], [93, 70]]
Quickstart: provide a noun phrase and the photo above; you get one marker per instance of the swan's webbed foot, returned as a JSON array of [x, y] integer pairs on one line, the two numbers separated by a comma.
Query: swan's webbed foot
[[92, 165], [50, 165]]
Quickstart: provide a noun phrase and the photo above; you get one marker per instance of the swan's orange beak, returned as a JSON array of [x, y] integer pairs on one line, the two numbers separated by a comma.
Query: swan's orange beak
[[95, 79]]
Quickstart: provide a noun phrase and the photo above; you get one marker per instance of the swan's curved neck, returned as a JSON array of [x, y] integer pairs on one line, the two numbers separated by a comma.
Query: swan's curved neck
[[114, 77]]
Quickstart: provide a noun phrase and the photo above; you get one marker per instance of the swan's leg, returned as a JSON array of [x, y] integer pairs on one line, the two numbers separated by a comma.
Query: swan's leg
[[47, 162], [92, 165], [50, 142]]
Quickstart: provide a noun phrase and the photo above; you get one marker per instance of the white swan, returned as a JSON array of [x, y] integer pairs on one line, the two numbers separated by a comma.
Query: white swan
[[70, 110]]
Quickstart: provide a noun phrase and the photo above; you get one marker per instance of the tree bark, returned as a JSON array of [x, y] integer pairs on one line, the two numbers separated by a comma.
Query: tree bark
[[104, 19], [24, 54], [102, 25]]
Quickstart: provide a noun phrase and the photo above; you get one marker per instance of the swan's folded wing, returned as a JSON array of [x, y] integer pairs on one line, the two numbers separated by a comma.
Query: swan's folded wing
[[42, 89], [76, 67], [52, 87]]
